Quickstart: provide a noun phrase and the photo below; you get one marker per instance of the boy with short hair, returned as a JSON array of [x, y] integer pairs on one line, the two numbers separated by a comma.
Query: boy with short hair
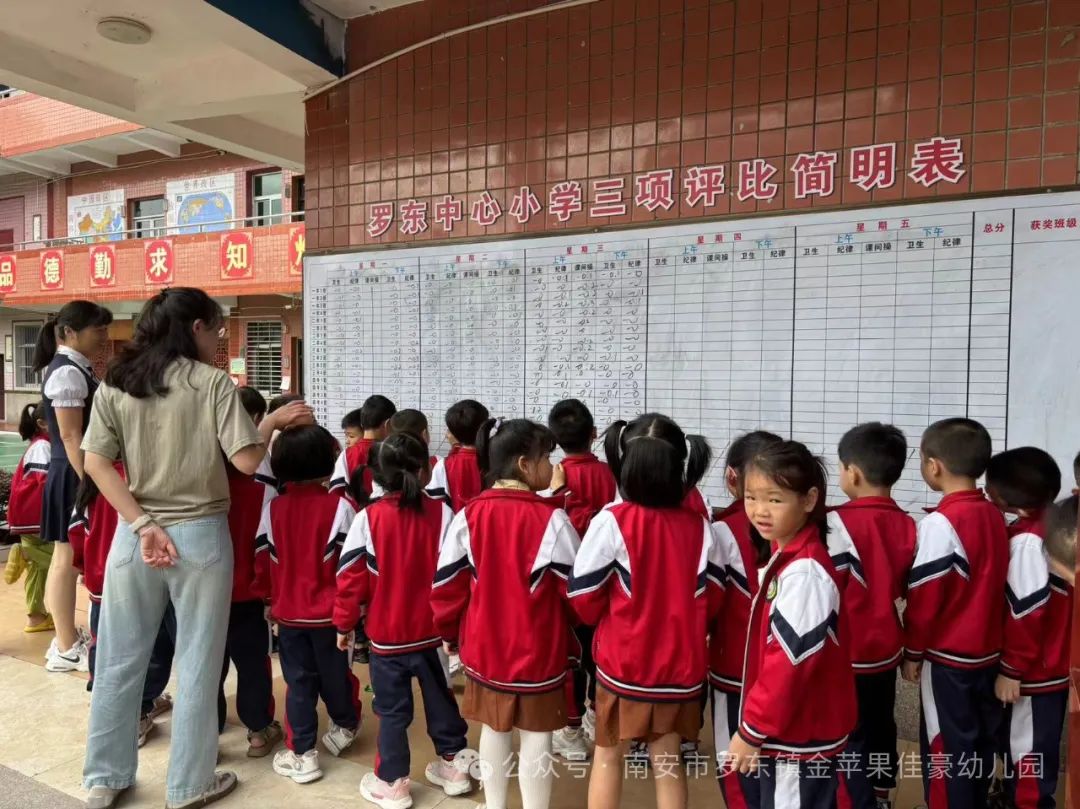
[[247, 642], [1034, 677], [374, 424], [872, 543], [955, 616], [589, 486], [351, 425], [1059, 539], [458, 475]]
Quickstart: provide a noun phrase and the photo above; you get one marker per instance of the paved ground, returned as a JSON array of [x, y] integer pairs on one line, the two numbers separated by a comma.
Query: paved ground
[[19, 792]]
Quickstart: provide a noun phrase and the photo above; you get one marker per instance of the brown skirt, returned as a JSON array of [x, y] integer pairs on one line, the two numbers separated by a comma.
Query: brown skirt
[[619, 720], [500, 711]]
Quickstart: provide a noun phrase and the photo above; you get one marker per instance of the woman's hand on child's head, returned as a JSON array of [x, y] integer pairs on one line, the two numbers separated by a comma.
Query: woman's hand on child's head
[[741, 756], [911, 670], [1007, 689], [157, 547], [558, 477], [292, 414], [345, 642]]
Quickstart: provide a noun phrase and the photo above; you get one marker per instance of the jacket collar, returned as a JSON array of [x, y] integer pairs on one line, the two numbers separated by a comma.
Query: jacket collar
[[884, 503], [580, 460], [965, 496]]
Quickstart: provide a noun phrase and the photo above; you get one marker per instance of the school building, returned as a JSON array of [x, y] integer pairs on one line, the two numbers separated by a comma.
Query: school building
[[315, 129], [95, 207]]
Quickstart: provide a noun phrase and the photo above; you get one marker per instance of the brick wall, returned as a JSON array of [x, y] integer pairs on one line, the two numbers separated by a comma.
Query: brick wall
[[620, 87], [29, 122], [25, 198]]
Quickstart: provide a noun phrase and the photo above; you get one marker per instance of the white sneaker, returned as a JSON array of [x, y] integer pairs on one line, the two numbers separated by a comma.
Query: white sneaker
[[74, 659], [51, 650], [301, 769], [146, 727], [384, 795], [570, 744], [588, 725], [455, 665], [453, 780], [338, 739]]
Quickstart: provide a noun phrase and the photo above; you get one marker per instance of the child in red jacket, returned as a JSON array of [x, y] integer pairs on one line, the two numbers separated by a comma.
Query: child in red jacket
[[24, 520], [247, 643], [648, 577], [798, 697], [589, 486], [955, 615], [872, 544], [501, 588], [392, 550], [297, 551], [362, 427], [458, 476], [1034, 678], [727, 643]]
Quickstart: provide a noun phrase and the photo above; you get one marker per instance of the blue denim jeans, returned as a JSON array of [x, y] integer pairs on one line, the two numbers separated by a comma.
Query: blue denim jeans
[[199, 585]]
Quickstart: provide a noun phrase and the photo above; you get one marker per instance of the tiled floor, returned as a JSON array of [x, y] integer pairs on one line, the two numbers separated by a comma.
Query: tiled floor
[[44, 724]]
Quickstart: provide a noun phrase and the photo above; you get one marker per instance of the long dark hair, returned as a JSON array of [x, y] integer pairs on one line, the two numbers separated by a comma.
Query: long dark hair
[[396, 463], [28, 421], [497, 452], [74, 315], [654, 461], [791, 466], [85, 495], [162, 335]]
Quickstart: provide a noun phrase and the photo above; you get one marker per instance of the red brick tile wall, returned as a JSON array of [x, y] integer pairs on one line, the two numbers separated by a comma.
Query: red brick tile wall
[[29, 122], [12, 216], [623, 86]]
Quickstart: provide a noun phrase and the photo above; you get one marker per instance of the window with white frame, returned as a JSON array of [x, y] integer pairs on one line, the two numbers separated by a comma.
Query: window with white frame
[[266, 199], [148, 217], [263, 356], [25, 339]]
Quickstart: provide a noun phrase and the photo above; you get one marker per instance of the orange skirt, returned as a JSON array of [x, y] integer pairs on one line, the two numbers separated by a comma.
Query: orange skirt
[[619, 720], [502, 712]]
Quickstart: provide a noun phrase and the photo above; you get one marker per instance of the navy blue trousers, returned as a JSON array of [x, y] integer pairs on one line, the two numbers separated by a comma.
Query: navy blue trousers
[[247, 645], [873, 741], [391, 680], [314, 667]]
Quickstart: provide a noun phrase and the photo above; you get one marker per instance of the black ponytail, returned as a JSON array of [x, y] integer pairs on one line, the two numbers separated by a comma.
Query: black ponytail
[[498, 452], [358, 487], [28, 421], [613, 447], [397, 463], [85, 495], [655, 463], [74, 315]]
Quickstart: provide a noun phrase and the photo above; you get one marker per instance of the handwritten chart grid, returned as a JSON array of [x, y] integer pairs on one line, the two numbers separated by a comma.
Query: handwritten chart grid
[[803, 325]]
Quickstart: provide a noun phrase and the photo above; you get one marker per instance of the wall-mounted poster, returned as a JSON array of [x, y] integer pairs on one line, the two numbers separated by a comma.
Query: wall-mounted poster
[[201, 204], [97, 217]]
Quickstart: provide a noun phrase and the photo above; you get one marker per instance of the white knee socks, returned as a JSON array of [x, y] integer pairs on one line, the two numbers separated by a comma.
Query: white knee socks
[[535, 768]]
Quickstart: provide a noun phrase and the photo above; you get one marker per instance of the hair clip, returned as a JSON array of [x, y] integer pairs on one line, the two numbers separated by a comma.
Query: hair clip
[[498, 424]]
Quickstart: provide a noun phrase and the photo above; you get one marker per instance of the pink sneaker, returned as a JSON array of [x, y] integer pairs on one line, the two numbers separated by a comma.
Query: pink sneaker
[[443, 773], [384, 795]]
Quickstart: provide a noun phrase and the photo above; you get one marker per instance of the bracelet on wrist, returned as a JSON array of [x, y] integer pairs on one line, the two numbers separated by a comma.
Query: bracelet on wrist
[[142, 522]]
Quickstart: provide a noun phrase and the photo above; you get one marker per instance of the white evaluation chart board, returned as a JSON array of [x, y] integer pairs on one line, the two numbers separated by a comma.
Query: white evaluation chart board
[[803, 324]]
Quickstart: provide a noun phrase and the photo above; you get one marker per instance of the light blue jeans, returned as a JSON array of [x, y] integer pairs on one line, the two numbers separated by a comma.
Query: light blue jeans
[[200, 587]]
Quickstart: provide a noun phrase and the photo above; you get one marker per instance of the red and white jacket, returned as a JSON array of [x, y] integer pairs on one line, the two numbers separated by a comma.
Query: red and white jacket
[[296, 553], [798, 697], [248, 496], [500, 587], [651, 582], [1036, 638], [91, 537], [589, 487], [695, 501], [872, 544], [27, 488], [727, 644], [457, 476], [955, 613], [390, 554], [346, 464]]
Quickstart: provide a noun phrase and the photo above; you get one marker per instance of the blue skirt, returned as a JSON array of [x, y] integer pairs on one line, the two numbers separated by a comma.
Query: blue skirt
[[58, 500]]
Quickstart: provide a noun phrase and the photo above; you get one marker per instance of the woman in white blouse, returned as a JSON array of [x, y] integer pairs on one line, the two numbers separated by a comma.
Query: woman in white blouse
[[64, 347]]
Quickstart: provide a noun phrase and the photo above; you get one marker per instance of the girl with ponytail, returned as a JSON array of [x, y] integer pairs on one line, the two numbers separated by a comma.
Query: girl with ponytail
[[24, 518], [501, 587], [65, 349], [390, 554]]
